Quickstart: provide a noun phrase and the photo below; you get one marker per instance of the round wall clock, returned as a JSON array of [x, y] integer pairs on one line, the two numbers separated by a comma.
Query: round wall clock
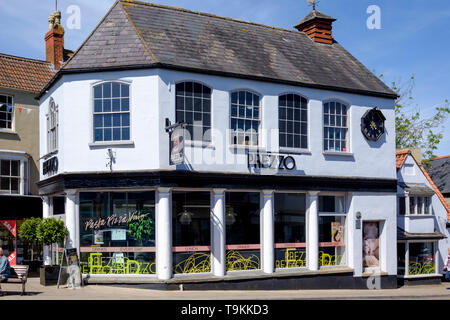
[[372, 124]]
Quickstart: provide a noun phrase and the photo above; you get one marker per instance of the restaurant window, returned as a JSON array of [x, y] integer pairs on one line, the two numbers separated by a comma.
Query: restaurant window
[[6, 111], [332, 219], [242, 219], [245, 118], [193, 106], [10, 176], [112, 112], [293, 121], [335, 127], [52, 127], [191, 230], [290, 230], [421, 258], [117, 232]]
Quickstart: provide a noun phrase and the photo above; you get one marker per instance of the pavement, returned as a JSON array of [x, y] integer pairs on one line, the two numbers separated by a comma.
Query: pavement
[[35, 291]]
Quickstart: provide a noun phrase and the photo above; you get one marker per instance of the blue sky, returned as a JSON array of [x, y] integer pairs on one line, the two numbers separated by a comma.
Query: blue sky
[[413, 39]]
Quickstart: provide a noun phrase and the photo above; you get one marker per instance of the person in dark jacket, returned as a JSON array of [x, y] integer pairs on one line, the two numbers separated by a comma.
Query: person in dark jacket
[[4, 269]]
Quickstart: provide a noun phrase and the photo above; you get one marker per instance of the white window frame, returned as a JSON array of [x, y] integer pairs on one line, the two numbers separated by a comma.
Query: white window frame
[[12, 113], [24, 173], [415, 212], [435, 258], [232, 132], [295, 122], [111, 142], [348, 151]]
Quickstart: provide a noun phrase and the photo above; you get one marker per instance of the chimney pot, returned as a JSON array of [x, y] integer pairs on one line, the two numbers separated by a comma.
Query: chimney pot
[[54, 40]]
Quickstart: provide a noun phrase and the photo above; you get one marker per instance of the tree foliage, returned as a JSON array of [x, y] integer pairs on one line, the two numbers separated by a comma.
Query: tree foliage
[[413, 130], [51, 231], [28, 229]]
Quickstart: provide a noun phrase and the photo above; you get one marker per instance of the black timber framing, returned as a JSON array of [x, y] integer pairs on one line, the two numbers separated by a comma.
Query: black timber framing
[[209, 180]]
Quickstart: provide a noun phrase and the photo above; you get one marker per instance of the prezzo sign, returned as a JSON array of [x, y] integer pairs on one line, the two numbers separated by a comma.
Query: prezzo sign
[[50, 166], [271, 161]]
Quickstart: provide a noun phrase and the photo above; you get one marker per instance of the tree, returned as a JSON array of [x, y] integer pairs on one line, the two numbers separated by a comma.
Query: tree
[[28, 232], [51, 231], [412, 129]]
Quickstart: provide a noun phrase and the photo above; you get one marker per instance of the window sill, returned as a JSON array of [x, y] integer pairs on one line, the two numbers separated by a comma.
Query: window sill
[[50, 154], [249, 148], [428, 215], [295, 151], [199, 144], [111, 144], [337, 153], [8, 131], [434, 275]]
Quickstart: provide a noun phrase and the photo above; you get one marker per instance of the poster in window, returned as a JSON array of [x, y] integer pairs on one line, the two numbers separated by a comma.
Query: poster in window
[[371, 245], [337, 232], [98, 237]]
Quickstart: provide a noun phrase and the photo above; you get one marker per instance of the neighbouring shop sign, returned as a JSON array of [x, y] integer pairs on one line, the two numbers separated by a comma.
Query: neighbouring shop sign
[[12, 258], [10, 225], [50, 166], [271, 161]]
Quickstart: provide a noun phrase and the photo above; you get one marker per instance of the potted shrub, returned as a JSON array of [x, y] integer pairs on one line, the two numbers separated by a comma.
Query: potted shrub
[[28, 233], [50, 232]]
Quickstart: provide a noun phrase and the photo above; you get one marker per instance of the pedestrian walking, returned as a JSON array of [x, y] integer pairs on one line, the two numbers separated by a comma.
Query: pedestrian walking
[[447, 266], [5, 269]]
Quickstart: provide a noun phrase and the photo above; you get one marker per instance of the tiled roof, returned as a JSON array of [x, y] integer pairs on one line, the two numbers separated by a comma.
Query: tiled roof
[[137, 34], [439, 171], [24, 74], [401, 157]]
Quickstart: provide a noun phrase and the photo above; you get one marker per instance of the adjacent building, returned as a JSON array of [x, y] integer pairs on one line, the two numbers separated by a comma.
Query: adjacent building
[[21, 79], [218, 153], [439, 170], [423, 237]]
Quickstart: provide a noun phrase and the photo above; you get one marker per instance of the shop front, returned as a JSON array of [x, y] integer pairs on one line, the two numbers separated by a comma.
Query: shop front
[[219, 233]]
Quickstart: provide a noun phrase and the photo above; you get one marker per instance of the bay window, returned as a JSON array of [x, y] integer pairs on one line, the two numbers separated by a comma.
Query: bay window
[[10, 176]]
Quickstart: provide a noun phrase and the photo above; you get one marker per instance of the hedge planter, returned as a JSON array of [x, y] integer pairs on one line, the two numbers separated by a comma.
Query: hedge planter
[[49, 275]]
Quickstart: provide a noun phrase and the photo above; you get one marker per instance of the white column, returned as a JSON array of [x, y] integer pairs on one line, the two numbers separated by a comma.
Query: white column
[[268, 259], [407, 207], [164, 234], [71, 214], [46, 214], [313, 228], [218, 229]]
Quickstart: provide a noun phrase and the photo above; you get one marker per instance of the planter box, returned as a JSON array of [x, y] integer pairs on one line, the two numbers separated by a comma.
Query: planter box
[[49, 275]]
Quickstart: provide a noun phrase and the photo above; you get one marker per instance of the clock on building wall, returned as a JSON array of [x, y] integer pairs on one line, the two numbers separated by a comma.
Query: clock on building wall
[[372, 124]]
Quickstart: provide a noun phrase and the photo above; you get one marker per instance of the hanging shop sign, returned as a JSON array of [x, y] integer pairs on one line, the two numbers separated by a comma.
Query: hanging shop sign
[[271, 161], [10, 225], [176, 142], [50, 166]]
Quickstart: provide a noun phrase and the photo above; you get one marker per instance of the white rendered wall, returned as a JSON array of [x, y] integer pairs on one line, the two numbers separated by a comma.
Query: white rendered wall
[[153, 100]]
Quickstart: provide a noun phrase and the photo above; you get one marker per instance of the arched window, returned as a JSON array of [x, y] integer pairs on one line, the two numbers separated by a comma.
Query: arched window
[[112, 112], [335, 127], [293, 121], [52, 127], [245, 118], [193, 106]]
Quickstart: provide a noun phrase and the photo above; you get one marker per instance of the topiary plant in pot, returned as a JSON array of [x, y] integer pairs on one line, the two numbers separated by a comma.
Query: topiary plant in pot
[[50, 232], [28, 232]]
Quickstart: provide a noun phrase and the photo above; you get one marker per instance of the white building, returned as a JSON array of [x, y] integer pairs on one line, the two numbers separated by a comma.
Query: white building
[[423, 237], [288, 164]]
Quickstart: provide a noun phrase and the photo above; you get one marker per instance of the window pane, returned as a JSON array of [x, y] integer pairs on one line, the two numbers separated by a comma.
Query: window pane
[[116, 119], [116, 90], [125, 119], [107, 90], [15, 166], [242, 231], [107, 120], [421, 258], [331, 241], [98, 105], [116, 134], [5, 168], [14, 186], [107, 134], [191, 228], [125, 90], [98, 92], [5, 184], [126, 134], [98, 135], [290, 230], [116, 105], [107, 105]]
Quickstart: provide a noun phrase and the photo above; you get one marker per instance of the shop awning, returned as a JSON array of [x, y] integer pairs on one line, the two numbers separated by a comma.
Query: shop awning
[[403, 235]]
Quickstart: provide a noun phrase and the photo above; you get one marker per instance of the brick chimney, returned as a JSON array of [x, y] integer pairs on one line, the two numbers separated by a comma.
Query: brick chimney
[[54, 40], [317, 26]]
